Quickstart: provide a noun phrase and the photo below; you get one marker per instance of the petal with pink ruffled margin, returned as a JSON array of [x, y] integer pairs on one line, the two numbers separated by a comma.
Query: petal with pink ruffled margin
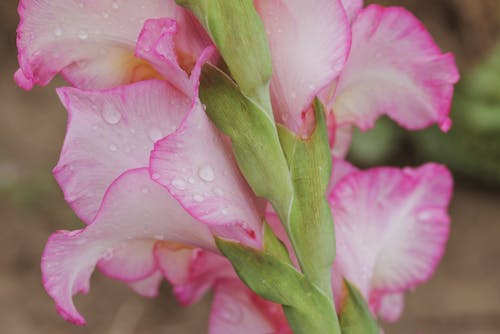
[[391, 226], [197, 167], [309, 46], [149, 286], [352, 8], [157, 46], [394, 68], [70, 257], [192, 272], [110, 132], [235, 309], [91, 42]]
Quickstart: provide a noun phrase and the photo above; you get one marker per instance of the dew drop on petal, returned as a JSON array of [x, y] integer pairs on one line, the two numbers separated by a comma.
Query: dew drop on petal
[[191, 180], [83, 35], [113, 148], [108, 254], [155, 176], [218, 191], [198, 198], [111, 115], [179, 184], [232, 314], [58, 32], [206, 173]]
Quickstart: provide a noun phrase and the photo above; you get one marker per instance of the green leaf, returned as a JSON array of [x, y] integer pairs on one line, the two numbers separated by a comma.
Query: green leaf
[[310, 224], [240, 37], [307, 308], [253, 135], [356, 317]]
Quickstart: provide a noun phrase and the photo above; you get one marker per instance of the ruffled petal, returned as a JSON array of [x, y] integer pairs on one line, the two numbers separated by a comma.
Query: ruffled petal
[[235, 310], [391, 226], [91, 42], [156, 45], [197, 167], [192, 272], [309, 46], [70, 257], [110, 132], [394, 68]]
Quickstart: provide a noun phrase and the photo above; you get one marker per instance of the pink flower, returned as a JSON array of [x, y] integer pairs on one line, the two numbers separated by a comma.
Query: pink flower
[[361, 62], [391, 227], [154, 180], [144, 167], [92, 43]]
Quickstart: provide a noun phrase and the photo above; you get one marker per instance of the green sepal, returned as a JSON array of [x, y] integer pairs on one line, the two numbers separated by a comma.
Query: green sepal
[[356, 317], [239, 34], [310, 224], [274, 246], [307, 308], [253, 135]]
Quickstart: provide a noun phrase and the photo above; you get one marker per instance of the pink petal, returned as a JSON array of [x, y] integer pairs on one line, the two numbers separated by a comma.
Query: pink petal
[[309, 46], [235, 310], [394, 68], [90, 41], [390, 306], [131, 261], [110, 132], [149, 286], [134, 208], [391, 226], [352, 8], [157, 46], [342, 141], [197, 167], [192, 272]]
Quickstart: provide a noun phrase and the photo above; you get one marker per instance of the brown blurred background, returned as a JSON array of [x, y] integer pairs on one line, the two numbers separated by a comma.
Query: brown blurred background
[[462, 298]]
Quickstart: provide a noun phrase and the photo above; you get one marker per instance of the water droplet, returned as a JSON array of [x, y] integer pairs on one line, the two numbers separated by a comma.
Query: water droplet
[[218, 191], [108, 254], [58, 32], [155, 176], [113, 148], [191, 180], [159, 237], [115, 5], [155, 134], [83, 35], [179, 184], [206, 173], [198, 198], [145, 190], [105, 15], [111, 115], [225, 212], [232, 314]]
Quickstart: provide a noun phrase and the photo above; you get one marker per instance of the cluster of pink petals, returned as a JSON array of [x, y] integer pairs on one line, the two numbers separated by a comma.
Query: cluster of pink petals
[[154, 180]]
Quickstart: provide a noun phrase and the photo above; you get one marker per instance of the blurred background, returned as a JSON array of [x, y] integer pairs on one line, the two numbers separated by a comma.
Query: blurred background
[[462, 298]]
